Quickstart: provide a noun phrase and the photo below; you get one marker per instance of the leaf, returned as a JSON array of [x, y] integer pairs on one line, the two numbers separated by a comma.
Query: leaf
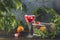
[[2, 26], [2, 13], [9, 29], [18, 4], [24, 8], [13, 24]]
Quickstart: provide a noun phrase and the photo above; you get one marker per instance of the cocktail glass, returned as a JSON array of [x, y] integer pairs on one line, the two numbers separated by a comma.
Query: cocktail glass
[[29, 19]]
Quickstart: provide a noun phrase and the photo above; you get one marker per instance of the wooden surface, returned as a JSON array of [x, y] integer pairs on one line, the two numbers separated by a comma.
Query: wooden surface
[[25, 39], [21, 38]]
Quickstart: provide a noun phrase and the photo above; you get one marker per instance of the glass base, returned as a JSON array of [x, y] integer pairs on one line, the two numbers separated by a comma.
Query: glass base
[[36, 35], [29, 36]]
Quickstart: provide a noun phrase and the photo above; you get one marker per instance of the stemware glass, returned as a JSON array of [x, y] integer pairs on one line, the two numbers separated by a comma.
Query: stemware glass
[[29, 19]]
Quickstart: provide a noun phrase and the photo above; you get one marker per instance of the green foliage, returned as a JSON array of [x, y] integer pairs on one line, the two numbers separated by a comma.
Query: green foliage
[[7, 19], [19, 22], [55, 18], [6, 5], [40, 13], [2, 23], [24, 8], [41, 33]]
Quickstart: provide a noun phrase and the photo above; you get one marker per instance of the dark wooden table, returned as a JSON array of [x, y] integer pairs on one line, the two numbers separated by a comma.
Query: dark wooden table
[[21, 38], [25, 38]]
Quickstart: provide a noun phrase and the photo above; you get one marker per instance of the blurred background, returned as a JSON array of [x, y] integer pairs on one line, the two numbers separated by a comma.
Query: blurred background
[[12, 14]]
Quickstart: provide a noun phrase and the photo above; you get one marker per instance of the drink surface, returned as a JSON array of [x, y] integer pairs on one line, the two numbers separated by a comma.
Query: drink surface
[[29, 18]]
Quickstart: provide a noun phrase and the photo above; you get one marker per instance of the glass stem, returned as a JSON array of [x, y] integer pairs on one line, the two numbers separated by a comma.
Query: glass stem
[[29, 26]]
